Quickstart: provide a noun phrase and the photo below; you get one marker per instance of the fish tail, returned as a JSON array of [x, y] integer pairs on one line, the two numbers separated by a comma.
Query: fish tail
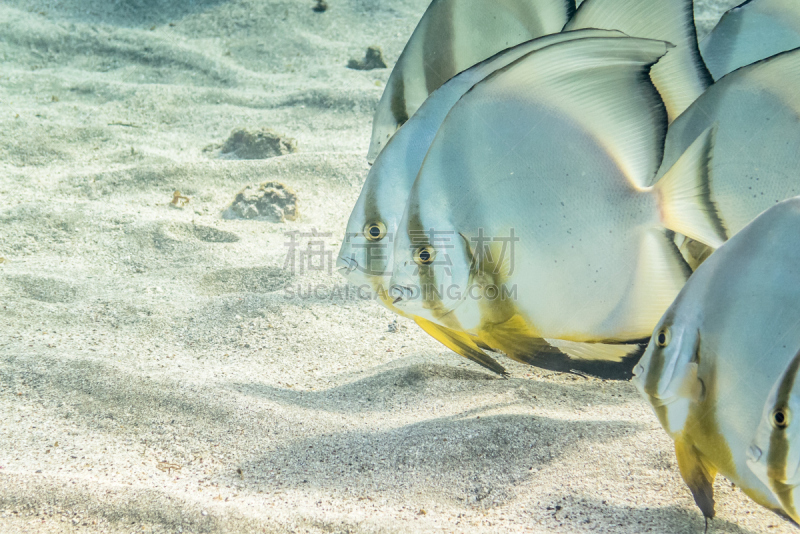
[[684, 195], [460, 343]]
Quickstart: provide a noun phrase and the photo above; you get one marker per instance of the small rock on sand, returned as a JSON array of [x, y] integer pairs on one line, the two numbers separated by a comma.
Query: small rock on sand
[[270, 201], [255, 144], [372, 60]]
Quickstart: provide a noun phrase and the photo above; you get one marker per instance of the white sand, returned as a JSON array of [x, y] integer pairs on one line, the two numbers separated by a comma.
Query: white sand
[[133, 333]]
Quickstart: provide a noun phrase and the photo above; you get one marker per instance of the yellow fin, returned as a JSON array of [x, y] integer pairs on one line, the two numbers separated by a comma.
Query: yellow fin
[[482, 344], [460, 343], [698, 474]]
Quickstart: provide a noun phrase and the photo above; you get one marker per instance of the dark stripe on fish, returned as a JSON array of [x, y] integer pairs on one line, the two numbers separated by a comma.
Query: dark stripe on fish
[[706, 190], [705, 76], [399, 111], [571, 8], [438, 59]]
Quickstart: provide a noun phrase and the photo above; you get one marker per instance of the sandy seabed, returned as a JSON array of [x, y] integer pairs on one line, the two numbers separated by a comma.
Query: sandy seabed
[[155, 373]]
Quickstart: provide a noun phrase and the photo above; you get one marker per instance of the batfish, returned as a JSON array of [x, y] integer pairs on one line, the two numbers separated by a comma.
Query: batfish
[[720, 347], [528, 219]]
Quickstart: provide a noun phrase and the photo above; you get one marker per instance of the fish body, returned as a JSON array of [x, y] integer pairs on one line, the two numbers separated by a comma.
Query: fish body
[[452, 36], [548, 153], [720, 347], [750, 32], [365, 259]]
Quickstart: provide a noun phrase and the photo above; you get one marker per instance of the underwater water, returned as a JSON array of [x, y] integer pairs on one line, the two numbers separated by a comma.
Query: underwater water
[[177, 350]]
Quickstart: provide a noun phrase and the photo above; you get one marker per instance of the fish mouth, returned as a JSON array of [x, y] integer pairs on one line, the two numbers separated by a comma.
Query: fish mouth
[[638, 371], [400, 294], [346, 266], [754, 454]]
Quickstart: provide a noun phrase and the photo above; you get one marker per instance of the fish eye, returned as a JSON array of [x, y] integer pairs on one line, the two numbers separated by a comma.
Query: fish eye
[[375, 231], [424, 255], [780, 418], [662, 337]]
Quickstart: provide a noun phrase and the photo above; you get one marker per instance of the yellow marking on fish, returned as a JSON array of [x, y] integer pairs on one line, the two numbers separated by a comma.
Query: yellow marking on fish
[[698, 473], [703, 432]]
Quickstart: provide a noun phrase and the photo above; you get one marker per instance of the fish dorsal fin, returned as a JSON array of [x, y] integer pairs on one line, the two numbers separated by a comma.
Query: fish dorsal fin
[[451, 36], [751, 32], [460, 343], [435, 108], [698, 474], [601, 84], [684, 194], [681, 76], [413, 140]]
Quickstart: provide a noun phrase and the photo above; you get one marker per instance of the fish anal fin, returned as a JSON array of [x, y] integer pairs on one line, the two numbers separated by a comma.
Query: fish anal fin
[[460, 343], [483, 345], [698, 474], [684, 194], [522, 343], [604, 360]]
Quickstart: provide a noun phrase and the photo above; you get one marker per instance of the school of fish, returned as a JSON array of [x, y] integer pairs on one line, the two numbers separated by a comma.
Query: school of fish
[[588, 189]]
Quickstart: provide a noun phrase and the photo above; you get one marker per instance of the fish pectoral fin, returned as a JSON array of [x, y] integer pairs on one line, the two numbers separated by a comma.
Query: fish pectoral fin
[[681, 76], [684, 194], [698, 474], [460, 343]]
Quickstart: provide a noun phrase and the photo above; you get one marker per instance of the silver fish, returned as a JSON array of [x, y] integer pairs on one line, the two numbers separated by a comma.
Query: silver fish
[[753, 31], [454, 35], [720, 347], [365, 257], [554, 148]]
